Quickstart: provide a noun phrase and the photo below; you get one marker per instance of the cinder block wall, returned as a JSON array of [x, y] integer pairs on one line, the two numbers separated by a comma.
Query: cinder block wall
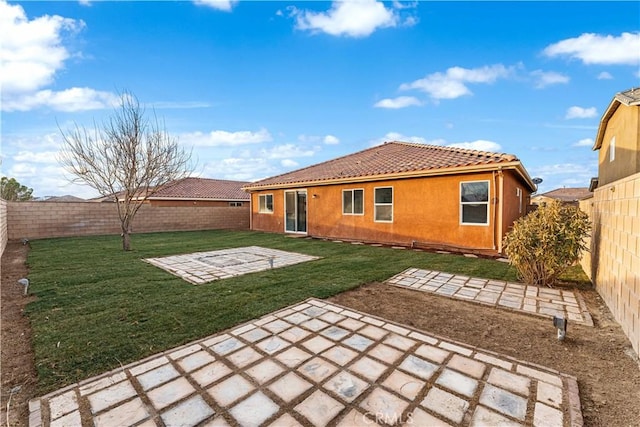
[[36, 220], [3, 226], [613, 263]]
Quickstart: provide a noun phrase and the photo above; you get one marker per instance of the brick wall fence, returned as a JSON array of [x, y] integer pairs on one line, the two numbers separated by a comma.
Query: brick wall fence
[[613, 264], [36, 220]]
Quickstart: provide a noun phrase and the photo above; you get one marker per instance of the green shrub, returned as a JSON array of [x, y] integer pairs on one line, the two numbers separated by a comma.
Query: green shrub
[[543, 244]]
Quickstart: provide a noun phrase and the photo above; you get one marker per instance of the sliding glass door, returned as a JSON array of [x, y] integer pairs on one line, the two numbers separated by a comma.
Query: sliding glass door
[[295, 211]]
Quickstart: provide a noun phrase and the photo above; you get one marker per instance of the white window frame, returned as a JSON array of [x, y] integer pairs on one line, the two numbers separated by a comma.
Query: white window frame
[[266, 210], [487, 203], [353, 190], [612, 149], [375, 205]]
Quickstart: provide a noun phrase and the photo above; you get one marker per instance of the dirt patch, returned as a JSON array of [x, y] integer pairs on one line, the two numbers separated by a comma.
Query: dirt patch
[[600, 357], [18, 372]]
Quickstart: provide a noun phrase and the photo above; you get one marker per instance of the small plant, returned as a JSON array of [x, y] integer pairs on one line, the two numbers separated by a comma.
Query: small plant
[[543, 244]]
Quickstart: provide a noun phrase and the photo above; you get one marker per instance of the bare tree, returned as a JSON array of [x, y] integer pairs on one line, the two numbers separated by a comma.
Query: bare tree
[[128, 157]]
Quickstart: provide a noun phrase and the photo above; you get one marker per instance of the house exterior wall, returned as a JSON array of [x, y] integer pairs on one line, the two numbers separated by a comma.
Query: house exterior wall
[[425, 210], [515, 197], [624, 125], [613, 262], [36, 220]]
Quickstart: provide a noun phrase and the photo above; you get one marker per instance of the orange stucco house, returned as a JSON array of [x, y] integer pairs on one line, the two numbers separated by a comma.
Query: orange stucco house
[[399, 193]]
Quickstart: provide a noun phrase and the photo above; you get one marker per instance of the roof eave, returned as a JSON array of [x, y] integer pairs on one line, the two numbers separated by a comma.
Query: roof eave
[[208, 199]]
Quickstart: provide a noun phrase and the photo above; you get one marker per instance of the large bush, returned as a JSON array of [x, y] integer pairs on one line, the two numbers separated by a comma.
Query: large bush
[[543, 244]]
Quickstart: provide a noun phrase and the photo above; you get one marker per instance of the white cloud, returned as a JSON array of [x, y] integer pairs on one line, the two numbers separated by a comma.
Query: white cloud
[[288, 163], [286, 151], [604, 76], [36, 157], [586, 142], [480, 145], [453, 83], [68, 100], [580, 113], [331, 140], [240, 168], [399, 102], [219, 138], [33, 51], [224, 5], [543, 79], [564, 169], [355, 18], [396, 136], [593, 48]]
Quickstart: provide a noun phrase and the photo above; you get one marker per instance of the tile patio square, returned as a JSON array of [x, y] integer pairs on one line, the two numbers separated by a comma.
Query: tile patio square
[[127, 414], [244, 357], [403, 384], [504, 402], [265, 371], [317, 344], [385, 353], [273, 345], [384, 405], [195, 361], [190, 412], [289, 387], [252, 412], [317, 369], [158, 376], [339, 355], [294, 334], [319, 408], [346, 386], [110, 396], [293, 357], [445, 404], [230, 390], [419, 367], [210, 373], [368, 368], [457, 382], [170, 392]]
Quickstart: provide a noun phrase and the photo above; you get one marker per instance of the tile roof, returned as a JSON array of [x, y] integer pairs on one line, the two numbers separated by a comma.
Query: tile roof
[[203, 188], [391, 158], [568, 194]]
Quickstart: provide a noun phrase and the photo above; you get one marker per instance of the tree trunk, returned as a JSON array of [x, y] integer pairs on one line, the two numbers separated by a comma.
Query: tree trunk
[[126, 241]]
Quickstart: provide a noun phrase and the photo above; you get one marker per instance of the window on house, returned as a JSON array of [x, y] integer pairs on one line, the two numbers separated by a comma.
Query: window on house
[[352, 202], [612, 149], [235, 204], [474, 202], [519, 196], [265, 203], [383, 204]]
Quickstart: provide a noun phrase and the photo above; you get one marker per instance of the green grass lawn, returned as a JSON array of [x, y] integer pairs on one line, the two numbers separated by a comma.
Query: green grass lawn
[[98, 307]]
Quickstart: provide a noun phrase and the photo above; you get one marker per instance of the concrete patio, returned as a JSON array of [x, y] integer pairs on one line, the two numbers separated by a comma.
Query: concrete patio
[[203, 267], [317, 363], [538, 301]]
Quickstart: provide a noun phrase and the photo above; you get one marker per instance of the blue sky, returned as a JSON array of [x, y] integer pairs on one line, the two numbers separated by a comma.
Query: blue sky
[[261, 88]]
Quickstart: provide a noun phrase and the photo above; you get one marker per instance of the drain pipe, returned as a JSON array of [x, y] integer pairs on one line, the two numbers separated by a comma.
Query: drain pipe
[[500, 207]]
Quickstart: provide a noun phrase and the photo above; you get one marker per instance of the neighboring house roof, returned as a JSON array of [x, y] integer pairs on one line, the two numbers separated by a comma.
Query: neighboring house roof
[[395, 160], [202, 189], [65, 198], [629, 98], [567, 194]]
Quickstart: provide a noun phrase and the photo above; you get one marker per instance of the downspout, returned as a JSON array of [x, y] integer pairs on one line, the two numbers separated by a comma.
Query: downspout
[[500, 207], [251, 210], [495, 209]]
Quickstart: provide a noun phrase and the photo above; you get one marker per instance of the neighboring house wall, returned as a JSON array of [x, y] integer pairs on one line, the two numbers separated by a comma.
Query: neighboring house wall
[[35, 220], [623, 127], [425, 210], [613, 264], [196, 203]]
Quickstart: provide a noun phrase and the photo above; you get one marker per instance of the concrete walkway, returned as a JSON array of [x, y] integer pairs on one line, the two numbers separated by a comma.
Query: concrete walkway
[[534, 300], [317, 363], [203, 267]]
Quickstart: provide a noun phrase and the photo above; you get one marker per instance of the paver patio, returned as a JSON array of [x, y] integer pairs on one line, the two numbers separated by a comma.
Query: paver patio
[[534, 300], [317, 363], [203, 267]]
